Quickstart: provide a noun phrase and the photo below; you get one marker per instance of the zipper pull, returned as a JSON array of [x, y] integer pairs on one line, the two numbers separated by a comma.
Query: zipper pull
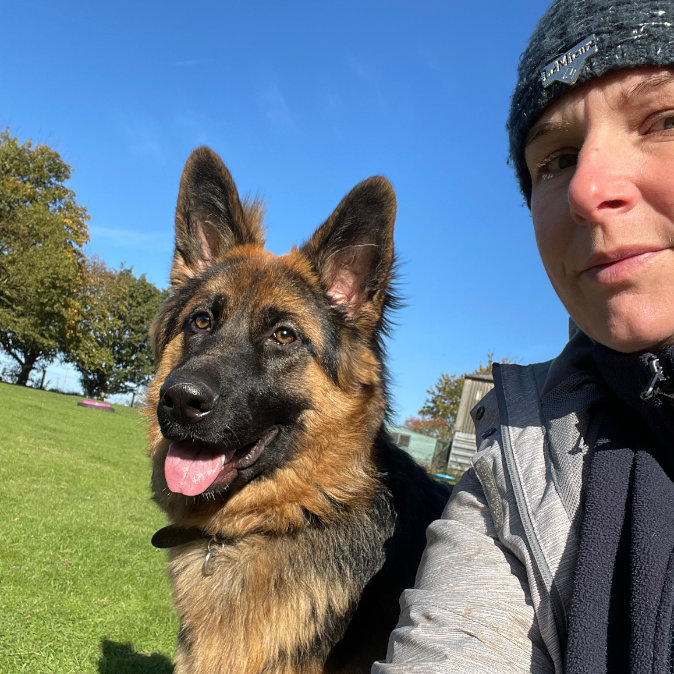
[[658, 377]]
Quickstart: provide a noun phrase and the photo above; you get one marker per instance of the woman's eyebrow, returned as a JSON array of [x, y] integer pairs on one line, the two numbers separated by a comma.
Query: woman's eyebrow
[[647, 86], [546, 128], [642, 88]]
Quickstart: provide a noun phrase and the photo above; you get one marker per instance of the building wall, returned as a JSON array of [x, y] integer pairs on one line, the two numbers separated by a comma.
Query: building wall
[[464, 444], [475, 387], [420, 447]]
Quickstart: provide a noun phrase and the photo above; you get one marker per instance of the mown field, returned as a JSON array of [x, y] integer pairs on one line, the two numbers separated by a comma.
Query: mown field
[[81, 588]]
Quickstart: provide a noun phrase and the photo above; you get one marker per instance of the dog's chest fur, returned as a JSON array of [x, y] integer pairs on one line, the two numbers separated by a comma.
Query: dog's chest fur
[[271, 604]]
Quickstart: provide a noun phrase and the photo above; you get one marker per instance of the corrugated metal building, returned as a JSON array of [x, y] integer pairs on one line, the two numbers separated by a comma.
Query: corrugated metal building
[[464, 444]]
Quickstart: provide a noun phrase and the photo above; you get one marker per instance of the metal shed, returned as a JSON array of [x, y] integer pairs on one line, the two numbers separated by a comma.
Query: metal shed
[[475, 387]]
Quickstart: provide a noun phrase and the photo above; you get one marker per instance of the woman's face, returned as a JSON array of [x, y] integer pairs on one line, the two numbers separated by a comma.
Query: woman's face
[[602, 165]]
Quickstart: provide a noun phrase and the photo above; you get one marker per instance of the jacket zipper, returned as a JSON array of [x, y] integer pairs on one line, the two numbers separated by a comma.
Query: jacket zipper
[[658, 377]]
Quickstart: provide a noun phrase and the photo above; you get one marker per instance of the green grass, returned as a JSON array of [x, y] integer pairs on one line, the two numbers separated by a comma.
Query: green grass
[[81, 588]]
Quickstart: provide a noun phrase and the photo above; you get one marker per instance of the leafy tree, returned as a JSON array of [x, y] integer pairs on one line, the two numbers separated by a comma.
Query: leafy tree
[[42, 231], [433, 427], [111, 351], [438, 414]]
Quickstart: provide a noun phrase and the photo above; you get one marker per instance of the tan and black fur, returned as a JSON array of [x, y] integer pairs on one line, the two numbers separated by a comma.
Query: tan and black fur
[[312, 543]]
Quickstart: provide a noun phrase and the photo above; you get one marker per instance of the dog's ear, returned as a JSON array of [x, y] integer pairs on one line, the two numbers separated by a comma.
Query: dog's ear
[[209, 216], [352, 251]]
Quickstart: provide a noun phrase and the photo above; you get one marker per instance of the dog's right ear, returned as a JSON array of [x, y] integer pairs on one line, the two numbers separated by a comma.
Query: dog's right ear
[[209, 216]]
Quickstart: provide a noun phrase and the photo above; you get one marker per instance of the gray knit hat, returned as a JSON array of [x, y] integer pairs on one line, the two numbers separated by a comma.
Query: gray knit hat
[[579, 40]]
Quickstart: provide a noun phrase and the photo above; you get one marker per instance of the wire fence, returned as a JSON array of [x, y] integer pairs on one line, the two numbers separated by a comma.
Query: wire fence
[[59, 377]]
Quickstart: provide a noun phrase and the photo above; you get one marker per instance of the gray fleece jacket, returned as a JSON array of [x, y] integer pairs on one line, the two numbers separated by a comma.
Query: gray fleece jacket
[[496, 579]]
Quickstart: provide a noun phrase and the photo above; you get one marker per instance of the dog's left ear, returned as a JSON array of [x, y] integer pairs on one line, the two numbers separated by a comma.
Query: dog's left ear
[[353, 250]]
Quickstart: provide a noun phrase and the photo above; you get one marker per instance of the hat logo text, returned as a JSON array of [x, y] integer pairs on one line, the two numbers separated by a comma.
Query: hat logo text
[[567, 67]]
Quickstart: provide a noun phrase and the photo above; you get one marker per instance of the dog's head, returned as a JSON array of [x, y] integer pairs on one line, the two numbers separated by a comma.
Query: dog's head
[[269, 387]]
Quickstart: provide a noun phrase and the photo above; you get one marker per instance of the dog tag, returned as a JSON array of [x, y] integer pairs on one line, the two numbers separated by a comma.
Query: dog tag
[[208, 567]]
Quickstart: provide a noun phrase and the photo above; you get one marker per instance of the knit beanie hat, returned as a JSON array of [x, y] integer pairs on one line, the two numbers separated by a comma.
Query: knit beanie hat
[[577, 41]]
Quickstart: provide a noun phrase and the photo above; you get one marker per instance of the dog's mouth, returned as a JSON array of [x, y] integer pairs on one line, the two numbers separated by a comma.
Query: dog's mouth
[[192, 466]]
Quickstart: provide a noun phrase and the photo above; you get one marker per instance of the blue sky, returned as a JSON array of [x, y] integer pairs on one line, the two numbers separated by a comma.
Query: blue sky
[[303, 100]]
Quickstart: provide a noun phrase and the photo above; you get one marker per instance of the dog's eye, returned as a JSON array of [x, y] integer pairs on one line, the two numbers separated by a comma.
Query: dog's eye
[[202, 321], [284, 336]]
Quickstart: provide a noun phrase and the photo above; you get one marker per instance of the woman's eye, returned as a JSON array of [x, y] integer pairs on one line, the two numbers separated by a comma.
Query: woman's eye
[[202, 321], [665, 123], [284, 336], [555, 163]]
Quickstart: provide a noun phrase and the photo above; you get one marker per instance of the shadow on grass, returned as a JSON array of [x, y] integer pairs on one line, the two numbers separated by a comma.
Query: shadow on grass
[[122, 659]]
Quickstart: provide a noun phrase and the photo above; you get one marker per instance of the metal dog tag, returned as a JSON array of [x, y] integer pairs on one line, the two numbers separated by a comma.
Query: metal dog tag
[[208, 567]]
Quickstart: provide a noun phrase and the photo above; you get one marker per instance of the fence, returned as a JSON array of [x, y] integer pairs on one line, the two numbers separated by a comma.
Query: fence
[[57, 376]]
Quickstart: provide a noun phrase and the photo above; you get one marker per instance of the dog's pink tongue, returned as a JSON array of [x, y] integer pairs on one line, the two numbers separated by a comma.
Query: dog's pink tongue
[[190, 469]]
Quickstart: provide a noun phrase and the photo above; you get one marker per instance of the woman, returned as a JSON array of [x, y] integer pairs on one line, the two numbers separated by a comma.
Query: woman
[[556, 550]]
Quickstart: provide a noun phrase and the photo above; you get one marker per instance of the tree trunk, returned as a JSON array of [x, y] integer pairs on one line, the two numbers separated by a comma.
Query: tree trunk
[[26, 368]]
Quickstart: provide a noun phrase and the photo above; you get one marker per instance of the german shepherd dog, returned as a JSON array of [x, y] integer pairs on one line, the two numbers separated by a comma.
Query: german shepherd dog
[[296, 523]]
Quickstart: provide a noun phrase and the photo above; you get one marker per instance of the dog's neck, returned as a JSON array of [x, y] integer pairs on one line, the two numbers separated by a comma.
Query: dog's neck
[[173, 535]]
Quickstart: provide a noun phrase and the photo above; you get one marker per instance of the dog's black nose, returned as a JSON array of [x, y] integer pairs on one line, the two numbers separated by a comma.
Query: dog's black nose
[[187, 401]]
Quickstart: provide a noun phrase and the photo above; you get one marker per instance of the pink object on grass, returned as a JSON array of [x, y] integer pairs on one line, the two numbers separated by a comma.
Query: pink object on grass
[[106, 407]]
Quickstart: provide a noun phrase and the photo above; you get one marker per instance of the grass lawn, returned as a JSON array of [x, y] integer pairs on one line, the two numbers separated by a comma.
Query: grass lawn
[[81, 588]]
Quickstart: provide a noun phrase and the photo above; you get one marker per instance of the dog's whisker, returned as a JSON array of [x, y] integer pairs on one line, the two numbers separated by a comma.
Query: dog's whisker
[[233, 432]]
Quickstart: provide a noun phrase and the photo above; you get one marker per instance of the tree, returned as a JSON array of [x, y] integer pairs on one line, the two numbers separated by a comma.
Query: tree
[[111, 350], [438, 414], [433, 427], [42, 231]]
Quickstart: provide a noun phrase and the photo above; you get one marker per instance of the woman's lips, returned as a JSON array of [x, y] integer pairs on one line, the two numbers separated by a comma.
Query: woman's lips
[[618, 266]]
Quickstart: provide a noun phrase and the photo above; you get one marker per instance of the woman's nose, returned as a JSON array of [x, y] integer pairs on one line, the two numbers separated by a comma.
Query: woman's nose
[[604, 181]]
